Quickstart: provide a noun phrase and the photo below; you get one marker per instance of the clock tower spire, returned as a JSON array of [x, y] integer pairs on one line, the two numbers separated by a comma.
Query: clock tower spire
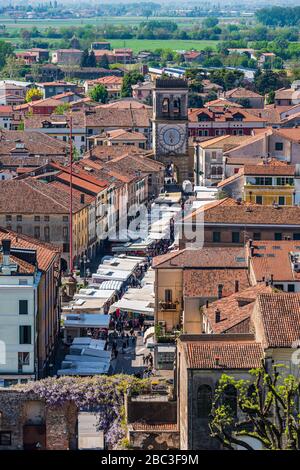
[[170, 126]]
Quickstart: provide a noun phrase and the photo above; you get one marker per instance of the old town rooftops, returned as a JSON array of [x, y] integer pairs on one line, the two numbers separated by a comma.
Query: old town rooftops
[[36, 143], [101, 117], [215, 257], [234, 309], [223, 114], [30, 196], [230, 212]]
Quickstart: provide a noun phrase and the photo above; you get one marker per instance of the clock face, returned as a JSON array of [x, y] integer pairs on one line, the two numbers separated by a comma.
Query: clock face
[[172, 138]]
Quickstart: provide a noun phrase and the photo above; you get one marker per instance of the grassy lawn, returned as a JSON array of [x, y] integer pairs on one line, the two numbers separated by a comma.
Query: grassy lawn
[[152, 44]]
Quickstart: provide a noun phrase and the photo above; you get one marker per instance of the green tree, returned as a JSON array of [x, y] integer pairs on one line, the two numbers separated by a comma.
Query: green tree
[[131, 78], [92, 59], [210, 22], [195, 100], [85, 58], [267, 410], [6, 50], [33, 94], [271, 97], [99, 94], [267, 80], [62, 108], [104, 62], [12, 68]]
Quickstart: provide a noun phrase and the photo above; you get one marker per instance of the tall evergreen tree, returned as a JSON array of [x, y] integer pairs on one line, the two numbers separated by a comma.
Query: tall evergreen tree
[[92, 59], [85, 58], [104, 62]]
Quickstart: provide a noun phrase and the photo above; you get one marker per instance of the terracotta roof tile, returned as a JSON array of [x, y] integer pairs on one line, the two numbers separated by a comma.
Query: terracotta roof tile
[[24, 267], [274, 258], [227, 211], [222, 353], [234, 309], [46, 253], [205, 282], [280, 315], [272, 168], [242, 93], [36, 143], [213, 257], [30, 196]]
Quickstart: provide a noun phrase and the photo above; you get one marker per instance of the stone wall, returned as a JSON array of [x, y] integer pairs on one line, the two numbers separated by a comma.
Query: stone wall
[[153, 440], [59, 422]]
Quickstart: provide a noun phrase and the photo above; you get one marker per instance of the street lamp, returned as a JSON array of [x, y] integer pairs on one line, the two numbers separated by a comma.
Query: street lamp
[[85, 260]]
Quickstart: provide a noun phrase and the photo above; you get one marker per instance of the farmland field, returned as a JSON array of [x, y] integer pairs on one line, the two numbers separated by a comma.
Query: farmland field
[[146, 44], [11, 24]]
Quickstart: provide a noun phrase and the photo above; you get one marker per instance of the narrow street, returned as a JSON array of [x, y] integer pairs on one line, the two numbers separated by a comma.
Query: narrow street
[[131, 361]]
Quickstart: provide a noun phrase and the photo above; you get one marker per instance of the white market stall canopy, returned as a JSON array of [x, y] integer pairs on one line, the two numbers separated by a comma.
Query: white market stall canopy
[[137, 306], [86, 320]]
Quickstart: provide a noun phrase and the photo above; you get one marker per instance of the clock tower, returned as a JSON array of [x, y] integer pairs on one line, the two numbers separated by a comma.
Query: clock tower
[[170, 126]]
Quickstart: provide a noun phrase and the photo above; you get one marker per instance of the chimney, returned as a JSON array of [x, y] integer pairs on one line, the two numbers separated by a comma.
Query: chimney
[[220, 291], [6, 251], [81, 198], [236, 286], [217, 316], [206, 304], [272, 279]]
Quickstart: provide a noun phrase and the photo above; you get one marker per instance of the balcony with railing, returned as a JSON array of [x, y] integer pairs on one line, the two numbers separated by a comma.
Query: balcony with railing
[[167, 306]]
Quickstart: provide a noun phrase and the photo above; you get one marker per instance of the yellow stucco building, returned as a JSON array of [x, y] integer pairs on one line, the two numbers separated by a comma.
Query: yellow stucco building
[[269, 183]]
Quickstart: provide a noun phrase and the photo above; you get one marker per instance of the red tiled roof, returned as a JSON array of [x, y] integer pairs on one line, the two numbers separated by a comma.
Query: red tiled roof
[[272, 168], [215, 352], [273, 258], [30, 196], [234, 309], [223, 114], [205, 282], [46, 253], [76, 193], [214, 257], [24, 267], [241, 93], [230, 212], [280, 316]]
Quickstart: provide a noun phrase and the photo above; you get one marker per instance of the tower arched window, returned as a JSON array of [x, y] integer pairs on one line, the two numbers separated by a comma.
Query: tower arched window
[[204, 401], [166, 106], [213, 170], [176, 106], [219, 170]]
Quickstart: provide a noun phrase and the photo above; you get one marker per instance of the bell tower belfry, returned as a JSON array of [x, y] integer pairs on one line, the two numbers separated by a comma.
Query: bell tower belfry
[[170, 125]]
